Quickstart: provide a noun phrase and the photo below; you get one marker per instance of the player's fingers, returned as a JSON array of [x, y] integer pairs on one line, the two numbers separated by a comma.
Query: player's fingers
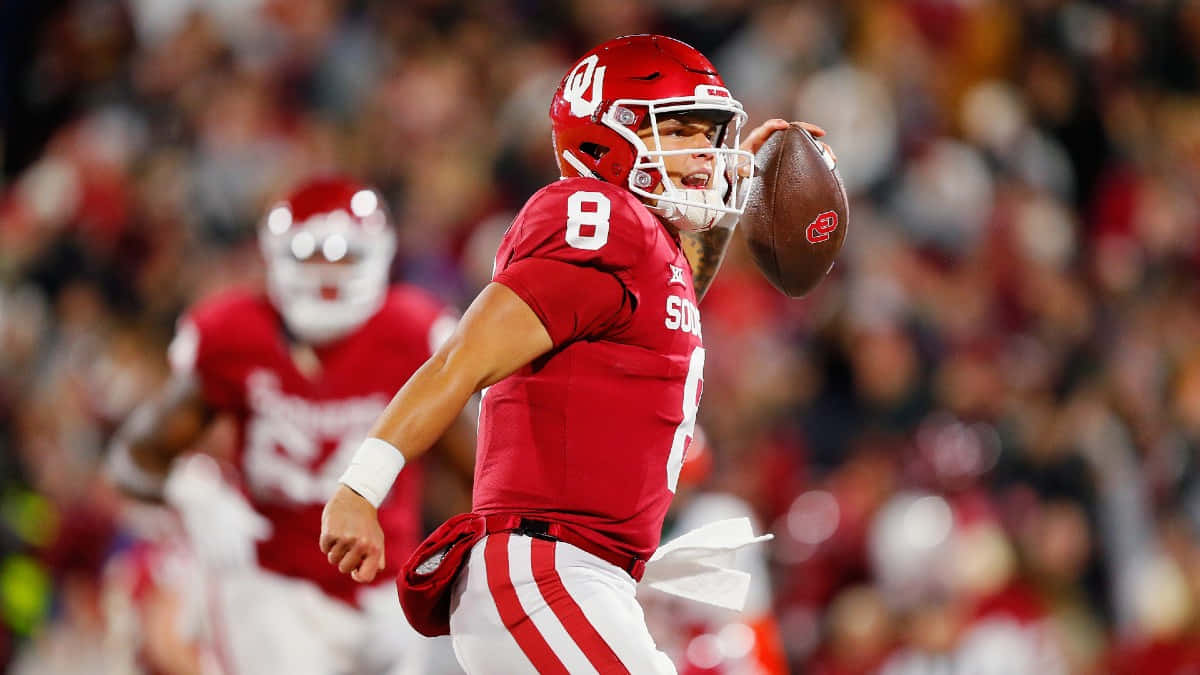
[[755, 140], [829, 151], [758, 136], [338, 552], [368, 569], [811, 128], [327, 542], [352, 559]]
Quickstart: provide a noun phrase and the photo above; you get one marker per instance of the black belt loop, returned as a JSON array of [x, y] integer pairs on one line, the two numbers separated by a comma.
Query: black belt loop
[[637, 567], [550, 531], [538, 529]]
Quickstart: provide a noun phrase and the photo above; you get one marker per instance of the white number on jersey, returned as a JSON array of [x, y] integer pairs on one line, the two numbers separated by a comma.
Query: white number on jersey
[[687, 427], [278, 456], [596, 218]]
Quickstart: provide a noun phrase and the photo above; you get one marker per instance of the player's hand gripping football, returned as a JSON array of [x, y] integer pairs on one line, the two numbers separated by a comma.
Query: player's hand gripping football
[[755, 139], [351, 536]]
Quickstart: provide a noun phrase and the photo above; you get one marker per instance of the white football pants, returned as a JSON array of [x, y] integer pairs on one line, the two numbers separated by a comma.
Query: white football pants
[[267, 624], [526, 605]]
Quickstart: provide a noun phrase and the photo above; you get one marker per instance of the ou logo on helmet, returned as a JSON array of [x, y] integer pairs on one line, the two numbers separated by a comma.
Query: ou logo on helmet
[[575, 87]]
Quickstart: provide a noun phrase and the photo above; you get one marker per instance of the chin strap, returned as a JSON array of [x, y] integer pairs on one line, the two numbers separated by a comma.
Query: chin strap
[[729, 221], [697, 214], [700, 210]]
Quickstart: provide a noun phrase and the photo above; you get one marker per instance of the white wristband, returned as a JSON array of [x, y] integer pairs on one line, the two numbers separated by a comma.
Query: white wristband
[[373, 469]]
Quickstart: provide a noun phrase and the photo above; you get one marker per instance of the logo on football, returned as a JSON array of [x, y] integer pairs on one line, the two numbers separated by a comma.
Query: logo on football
[[820, 229]]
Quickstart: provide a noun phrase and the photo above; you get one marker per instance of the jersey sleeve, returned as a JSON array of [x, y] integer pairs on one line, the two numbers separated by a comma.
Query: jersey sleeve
[[572, 301], [570, 255], [583, 222], [202, 349]]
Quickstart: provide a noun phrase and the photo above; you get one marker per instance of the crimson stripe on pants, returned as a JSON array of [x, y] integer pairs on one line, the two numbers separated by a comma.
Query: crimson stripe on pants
[[591, 643], [531, 642]]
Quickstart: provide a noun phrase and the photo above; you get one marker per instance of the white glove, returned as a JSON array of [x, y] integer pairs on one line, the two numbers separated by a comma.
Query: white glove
[[698, 565], [221, 526]]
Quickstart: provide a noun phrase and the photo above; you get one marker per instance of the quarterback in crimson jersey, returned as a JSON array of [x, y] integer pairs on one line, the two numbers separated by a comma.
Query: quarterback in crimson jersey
[[303, 371], [589, 344]]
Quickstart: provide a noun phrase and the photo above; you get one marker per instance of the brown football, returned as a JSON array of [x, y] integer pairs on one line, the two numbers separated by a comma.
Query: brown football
[[796, 213]]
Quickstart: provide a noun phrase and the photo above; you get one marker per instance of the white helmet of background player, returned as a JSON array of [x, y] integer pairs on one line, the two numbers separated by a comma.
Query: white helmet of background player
[[628, 84], [328, 248]]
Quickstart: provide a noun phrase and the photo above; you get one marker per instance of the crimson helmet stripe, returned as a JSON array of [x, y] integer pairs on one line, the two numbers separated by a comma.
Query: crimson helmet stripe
[[322, 195]]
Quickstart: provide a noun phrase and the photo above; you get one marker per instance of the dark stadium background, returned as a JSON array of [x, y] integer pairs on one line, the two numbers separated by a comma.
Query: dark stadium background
[[990, 409]]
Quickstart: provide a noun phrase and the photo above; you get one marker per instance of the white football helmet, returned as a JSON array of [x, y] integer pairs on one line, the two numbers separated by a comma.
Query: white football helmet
[[328, 248]]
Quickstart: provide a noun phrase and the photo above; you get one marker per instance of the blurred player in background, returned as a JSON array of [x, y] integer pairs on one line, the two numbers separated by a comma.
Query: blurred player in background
[[155, 592], [588, 341], [303, 370]]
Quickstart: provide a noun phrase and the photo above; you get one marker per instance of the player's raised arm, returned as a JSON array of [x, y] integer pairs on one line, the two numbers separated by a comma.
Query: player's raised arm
[[498, 334]]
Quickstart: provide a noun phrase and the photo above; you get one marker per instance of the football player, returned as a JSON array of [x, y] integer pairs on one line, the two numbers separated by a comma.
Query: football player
[[588, 346], [303, 369]]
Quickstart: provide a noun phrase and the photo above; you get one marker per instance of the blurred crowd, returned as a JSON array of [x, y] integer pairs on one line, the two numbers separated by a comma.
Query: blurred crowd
[[977, 443]]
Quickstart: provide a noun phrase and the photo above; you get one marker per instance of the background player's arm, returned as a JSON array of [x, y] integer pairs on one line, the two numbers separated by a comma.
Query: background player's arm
[[498, 334], [157, 432], [706, 249]]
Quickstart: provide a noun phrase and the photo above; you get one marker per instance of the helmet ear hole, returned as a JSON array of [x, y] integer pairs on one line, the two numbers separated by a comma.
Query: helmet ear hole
[[593, 150]]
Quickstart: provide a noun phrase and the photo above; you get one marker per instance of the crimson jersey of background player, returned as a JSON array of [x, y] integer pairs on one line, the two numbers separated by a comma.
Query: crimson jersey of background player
[[593, 434], [302, 369], [295, 431]]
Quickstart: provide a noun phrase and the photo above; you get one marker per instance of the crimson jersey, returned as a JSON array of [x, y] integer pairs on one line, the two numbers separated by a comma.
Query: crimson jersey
[[295, 434], [592, 435]]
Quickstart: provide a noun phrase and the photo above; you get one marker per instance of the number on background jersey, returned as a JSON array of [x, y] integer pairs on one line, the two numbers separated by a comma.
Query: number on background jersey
[[687, 427], [278, 459], [595, 218]]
